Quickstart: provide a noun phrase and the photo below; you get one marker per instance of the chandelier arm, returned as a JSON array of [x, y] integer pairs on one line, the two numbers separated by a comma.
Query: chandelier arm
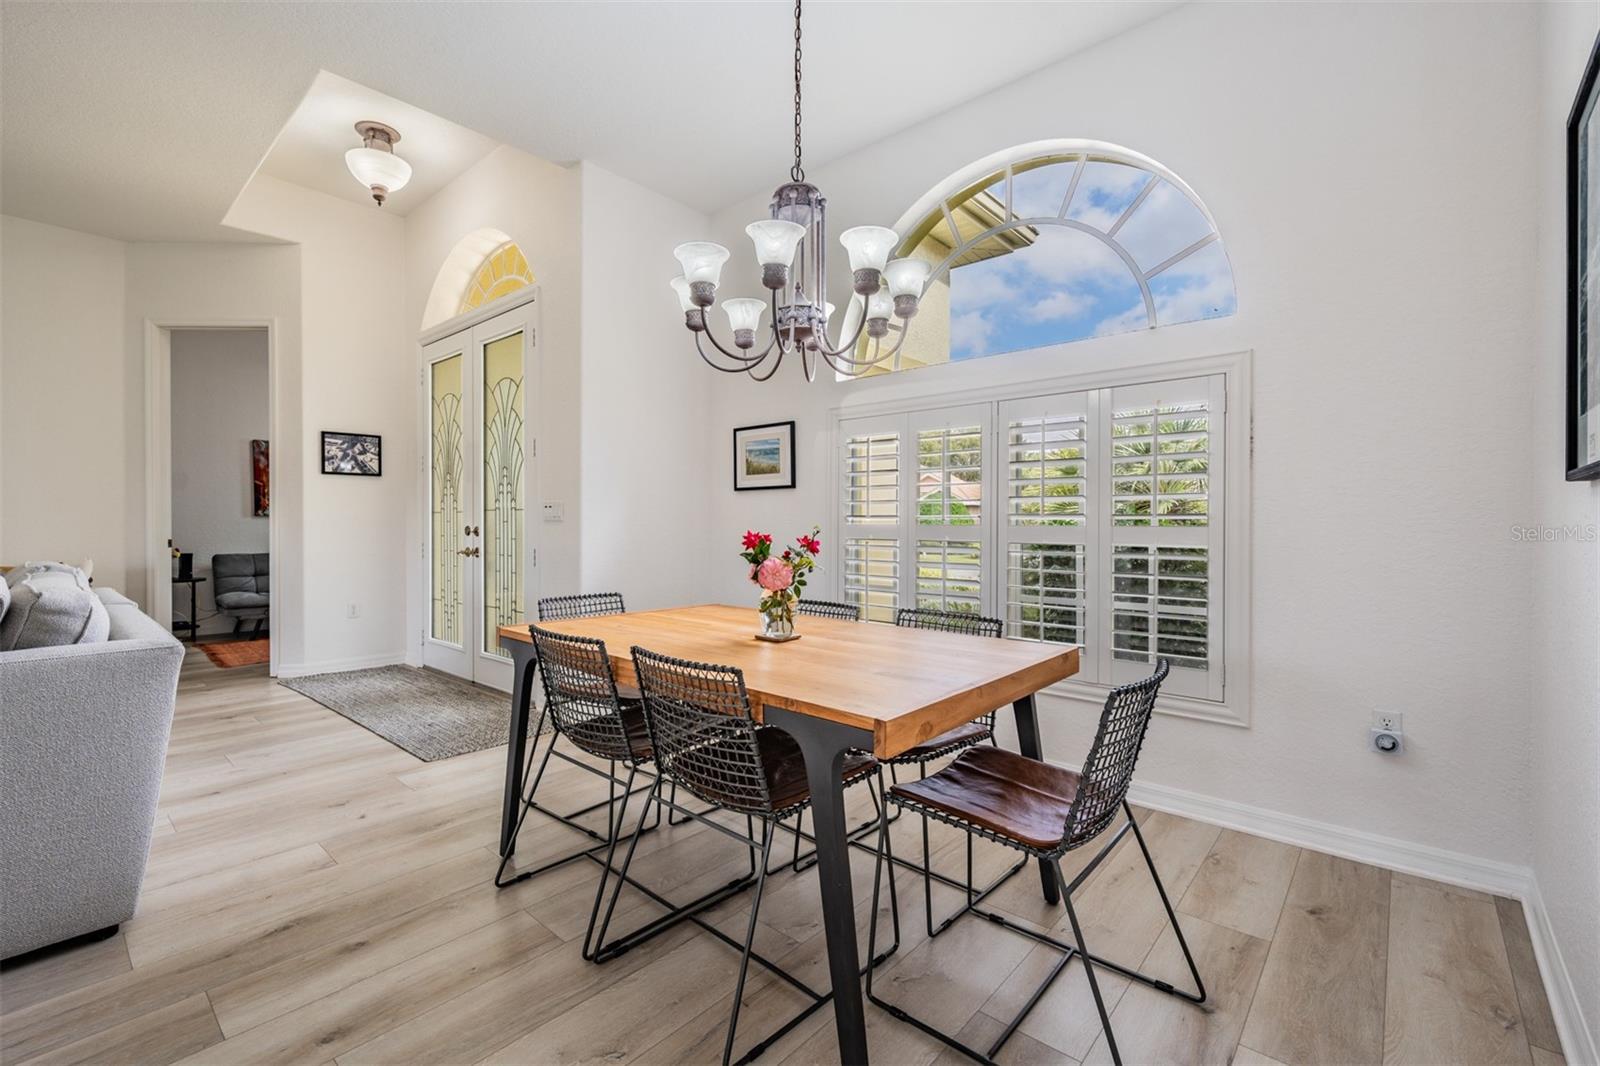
[[752, 359], [749, 364], [835, 359], [855, 367], [776, 363], [844, 346]]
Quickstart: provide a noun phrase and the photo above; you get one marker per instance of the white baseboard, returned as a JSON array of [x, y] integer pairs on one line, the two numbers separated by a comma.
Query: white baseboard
[[1390, 853], [339, 666], [1437, 864], [1577, 1040]]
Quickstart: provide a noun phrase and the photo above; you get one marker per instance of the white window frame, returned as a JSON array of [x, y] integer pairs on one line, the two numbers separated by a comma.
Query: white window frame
[[1234, 448]]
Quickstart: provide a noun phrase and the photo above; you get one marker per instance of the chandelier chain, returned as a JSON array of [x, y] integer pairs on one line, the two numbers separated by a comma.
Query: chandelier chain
[[797, 172]]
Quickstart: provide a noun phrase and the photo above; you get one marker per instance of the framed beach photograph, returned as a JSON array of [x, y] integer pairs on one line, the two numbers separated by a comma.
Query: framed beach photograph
[[763, 457], [1583, 280], [352, 453]]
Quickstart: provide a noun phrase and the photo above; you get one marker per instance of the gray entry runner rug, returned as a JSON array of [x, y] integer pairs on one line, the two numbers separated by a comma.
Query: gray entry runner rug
[[431, 715]]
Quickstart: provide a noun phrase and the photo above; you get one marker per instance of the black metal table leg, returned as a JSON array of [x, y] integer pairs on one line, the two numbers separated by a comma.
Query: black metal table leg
[[824, 744], [1028, 744], [523, 658]]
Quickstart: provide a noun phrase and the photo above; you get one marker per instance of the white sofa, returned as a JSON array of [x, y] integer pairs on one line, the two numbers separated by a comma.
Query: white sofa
[[83, 741]]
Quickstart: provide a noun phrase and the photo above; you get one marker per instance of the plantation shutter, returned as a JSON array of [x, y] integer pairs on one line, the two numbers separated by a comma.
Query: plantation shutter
[[1048, 531], [1162, 469], [950, 525], [871, 459]]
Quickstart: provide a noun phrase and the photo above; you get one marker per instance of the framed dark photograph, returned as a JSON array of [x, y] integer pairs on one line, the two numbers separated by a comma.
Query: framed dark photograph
[[763, 457], [360, 454], [1583, 280]]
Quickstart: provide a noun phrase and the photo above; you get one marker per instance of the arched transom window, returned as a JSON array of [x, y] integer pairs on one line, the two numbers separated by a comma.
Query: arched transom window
[[503, 270], [1059, 241]]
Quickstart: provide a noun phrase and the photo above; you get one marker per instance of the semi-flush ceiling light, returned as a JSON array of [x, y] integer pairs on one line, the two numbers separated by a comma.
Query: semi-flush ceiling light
[[374, 164], [792, 249]]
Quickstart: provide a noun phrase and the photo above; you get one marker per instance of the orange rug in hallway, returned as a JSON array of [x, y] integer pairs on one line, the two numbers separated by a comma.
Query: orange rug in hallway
[[238, 652]]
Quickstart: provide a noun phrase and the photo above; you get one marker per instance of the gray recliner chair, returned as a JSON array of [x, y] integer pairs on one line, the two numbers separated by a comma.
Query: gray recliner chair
[[239, 583]]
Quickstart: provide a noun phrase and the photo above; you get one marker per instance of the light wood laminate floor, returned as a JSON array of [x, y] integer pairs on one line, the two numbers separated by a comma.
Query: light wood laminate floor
[[316, 895]]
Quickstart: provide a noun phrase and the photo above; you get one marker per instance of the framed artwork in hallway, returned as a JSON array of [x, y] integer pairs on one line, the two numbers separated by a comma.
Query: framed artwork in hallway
[[260, 484], [763, 457], [352, 453], [1583, 280]]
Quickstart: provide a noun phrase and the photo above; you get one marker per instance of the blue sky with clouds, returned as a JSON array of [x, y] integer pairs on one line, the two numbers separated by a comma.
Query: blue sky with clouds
[[1069, 285]]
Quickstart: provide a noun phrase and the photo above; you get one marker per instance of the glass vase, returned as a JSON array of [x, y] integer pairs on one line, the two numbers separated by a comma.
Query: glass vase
[[777, 623]]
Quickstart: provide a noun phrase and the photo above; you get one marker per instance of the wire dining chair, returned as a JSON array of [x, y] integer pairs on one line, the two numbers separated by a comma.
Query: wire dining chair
[[1044, 811], [706, 739]]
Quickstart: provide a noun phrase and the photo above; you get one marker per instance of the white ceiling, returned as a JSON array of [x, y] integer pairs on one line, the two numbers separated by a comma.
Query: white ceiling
[[322, 129], [144, 120]]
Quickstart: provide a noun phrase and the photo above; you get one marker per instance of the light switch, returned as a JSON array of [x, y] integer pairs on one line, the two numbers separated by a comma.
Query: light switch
[[554, 512]]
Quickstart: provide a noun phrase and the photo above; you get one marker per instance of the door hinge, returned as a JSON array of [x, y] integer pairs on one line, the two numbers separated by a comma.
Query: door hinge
[[533, 448], [533, 338], [533, 556]]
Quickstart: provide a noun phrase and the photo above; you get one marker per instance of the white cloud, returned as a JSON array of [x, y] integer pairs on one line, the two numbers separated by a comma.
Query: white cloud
[[979, 285], [1124, 321], [969, 333], [1061, 304], [1064, 256]]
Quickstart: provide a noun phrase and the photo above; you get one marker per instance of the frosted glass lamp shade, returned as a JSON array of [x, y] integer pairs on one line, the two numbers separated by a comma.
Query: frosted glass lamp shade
[[880, 305], [744, 313], [375, 167], [702, 261], [907, 277], [775, 240], [869, 246], [680, 285]]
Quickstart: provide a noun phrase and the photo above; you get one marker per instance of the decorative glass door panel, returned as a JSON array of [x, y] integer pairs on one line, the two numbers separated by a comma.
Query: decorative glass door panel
[[504, 511], [478, 561], [447, 505]]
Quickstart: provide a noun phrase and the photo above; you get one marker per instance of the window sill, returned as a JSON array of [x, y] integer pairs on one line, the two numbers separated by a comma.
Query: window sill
[[1234, 712]]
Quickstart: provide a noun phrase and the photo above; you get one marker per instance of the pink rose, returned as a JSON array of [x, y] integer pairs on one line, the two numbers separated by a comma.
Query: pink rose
[[775, 575]]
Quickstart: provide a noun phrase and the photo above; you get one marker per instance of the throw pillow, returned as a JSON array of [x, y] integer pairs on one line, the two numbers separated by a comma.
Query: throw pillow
[[53, 607], [5, 599]]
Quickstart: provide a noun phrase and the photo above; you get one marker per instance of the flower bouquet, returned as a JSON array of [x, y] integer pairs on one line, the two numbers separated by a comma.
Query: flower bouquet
[[782, 578]]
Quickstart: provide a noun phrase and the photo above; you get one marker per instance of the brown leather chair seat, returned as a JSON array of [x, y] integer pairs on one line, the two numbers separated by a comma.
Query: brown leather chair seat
[[785, 769], [1009, 794], [964, 735], [601, 739]]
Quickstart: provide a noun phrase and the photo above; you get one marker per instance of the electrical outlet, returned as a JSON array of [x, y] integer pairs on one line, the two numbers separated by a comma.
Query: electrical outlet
[[353, 611], [1387, 736]]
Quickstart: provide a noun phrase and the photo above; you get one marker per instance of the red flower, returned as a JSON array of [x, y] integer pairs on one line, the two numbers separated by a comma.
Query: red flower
[[764, 538], [809, 543], [752, 538]]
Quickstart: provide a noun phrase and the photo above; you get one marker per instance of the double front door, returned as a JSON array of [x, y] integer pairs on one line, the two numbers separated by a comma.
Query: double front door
[[479, 558]]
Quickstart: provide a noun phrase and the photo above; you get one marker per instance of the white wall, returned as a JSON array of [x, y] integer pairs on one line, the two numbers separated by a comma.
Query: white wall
[[646, 466], [219, 405], [1564, 770], [1383, 277], [536, 203], [221, 284], [61, 405], [354, 374]]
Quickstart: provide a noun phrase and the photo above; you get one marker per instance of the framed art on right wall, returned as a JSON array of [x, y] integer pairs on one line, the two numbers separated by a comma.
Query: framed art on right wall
[[1583, 280]]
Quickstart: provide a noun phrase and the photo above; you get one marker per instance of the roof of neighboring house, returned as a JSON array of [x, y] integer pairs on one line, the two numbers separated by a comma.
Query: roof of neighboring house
[[932, 484]]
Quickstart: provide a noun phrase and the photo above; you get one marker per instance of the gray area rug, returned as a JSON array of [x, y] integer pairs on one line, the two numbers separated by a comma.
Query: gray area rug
[[431, 715]]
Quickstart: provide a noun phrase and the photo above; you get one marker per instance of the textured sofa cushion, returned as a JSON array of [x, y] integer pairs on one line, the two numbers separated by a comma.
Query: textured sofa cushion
[[51, 608], [5, 600]]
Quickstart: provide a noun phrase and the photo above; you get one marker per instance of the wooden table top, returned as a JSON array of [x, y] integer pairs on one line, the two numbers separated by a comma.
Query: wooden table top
[[903, 685]]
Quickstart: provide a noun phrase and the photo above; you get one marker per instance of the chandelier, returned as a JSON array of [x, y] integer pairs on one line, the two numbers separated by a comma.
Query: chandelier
[[792, 248]]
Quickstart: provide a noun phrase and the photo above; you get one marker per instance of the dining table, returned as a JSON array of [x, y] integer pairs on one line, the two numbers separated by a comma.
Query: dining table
[[842, 686]]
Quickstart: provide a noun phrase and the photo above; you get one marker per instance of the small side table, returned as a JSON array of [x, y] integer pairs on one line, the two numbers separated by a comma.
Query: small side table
[[192, 626]]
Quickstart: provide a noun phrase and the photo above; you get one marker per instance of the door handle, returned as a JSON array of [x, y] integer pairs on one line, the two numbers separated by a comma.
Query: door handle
[[471, 531], [468, 552]]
